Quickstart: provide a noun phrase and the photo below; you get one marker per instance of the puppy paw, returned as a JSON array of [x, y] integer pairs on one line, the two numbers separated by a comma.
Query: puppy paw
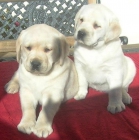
[[116, 107], [26, 127], [81, 94], [12, 88], [127, 99], [42, 131]]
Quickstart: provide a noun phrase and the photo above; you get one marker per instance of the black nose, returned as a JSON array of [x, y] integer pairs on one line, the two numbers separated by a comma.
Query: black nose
[[81, 34], [35, 64]]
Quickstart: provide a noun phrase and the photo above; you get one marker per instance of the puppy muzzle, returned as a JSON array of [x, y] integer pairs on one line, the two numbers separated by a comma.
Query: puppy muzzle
[[35, 65], [81, 34]]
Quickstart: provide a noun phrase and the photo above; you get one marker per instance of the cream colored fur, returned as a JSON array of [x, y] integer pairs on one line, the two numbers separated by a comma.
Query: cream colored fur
[[49, 84], [99, 59]]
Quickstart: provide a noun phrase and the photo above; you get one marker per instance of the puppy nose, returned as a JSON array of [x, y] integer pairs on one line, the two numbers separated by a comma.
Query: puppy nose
[[81, 34], [35, 64]]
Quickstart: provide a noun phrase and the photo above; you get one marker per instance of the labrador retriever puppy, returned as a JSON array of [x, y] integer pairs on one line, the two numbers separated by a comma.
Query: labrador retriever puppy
[[45, 76], [99, 60]]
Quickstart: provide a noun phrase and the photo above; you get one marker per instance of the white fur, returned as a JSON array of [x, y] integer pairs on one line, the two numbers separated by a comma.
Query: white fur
[[49, 84], [102, 66]]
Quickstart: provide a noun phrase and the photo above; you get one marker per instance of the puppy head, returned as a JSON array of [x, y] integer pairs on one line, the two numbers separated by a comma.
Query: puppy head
[[95, 24], [39, 47]]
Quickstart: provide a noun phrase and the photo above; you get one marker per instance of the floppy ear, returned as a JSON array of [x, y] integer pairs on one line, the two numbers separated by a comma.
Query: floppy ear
[[64, 49], [18, 49], [113, 32], [18, 46]]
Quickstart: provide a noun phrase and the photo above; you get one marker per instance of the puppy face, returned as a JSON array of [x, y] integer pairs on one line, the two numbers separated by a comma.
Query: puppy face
[[39, 47], [94, 23]]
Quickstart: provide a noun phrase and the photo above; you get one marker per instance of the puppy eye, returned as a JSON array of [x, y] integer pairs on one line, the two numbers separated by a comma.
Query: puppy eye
[[81, 19], [96, 26], [28, 48], [47, 50]]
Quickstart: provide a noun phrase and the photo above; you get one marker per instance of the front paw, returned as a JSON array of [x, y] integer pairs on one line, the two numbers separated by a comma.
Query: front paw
[[80, 95], [26, 126], [42, 130], [116, 107], [12, 88]]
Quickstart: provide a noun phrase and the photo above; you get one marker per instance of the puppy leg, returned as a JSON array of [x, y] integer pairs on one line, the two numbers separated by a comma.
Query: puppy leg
[[115, 92], [13, 85], [83, 85], [50, 105], [28, 104], [115, 101], [125, 96]]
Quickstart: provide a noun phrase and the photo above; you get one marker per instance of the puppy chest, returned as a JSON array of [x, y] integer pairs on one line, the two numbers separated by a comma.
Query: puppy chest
[[35, 85], [97, 79]]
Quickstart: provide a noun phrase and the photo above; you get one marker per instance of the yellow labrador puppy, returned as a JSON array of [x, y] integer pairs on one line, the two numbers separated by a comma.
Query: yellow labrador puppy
[[99, 59], [45, 76]]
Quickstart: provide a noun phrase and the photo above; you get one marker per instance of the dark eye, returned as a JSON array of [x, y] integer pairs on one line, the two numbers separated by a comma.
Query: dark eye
[[96, 26], [47, 50], [28, 48], [81, 19]]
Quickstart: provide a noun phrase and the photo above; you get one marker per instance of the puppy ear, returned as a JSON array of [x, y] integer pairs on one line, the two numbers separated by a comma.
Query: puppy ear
[[18, 49], [113, 32], [18, 46], [64, 49]]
